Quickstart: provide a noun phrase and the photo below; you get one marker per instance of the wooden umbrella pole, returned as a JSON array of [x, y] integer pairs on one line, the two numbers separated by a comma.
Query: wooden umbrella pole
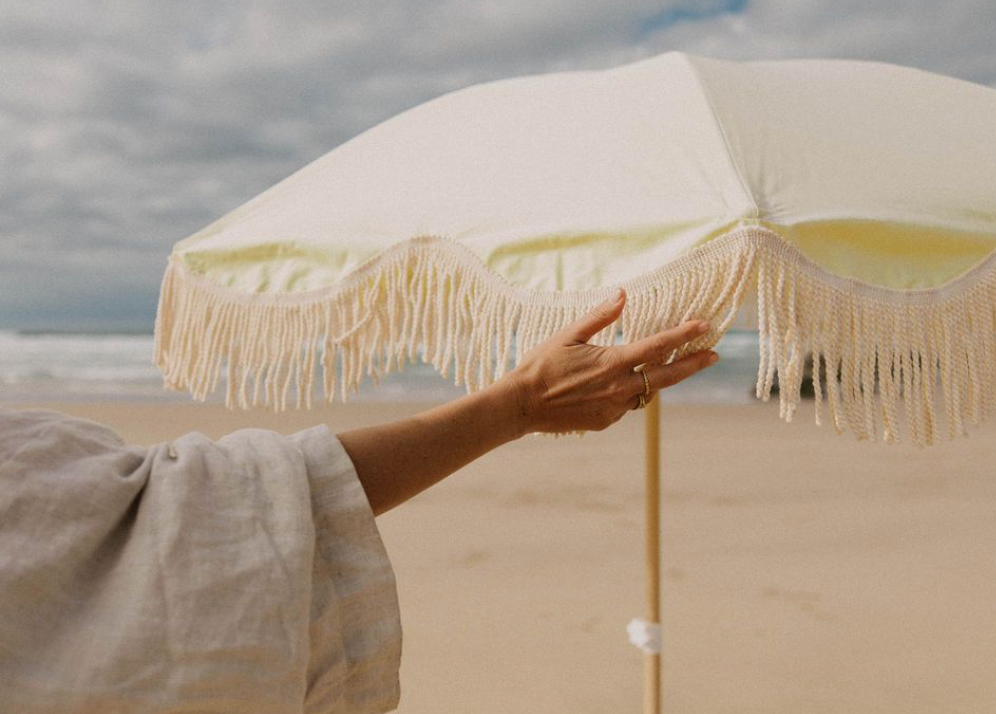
[[652, 662]]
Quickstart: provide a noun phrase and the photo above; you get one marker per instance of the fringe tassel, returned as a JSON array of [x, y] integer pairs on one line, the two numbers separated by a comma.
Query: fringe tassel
[[874, 346]]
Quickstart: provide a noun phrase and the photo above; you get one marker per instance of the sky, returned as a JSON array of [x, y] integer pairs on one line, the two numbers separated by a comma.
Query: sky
[[127, 126]]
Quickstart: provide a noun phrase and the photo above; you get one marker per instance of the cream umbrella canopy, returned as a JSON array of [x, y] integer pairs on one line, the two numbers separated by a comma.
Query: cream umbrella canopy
[[849, 205]]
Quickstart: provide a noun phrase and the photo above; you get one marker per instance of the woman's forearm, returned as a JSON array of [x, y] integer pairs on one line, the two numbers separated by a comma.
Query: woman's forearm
[[399, 460]]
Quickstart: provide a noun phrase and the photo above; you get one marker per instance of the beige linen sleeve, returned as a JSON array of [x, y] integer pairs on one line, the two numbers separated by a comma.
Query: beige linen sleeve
[[355, 629], [244, 574]]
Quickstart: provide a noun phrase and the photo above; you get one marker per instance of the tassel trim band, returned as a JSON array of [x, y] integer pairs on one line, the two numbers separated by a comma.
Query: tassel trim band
[[876, 346]]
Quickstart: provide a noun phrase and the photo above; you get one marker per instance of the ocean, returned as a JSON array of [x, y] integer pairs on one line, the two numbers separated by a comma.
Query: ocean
[[38, 366]]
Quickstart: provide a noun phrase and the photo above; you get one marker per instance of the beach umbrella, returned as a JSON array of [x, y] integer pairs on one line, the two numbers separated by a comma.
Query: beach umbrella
[[849, 205]]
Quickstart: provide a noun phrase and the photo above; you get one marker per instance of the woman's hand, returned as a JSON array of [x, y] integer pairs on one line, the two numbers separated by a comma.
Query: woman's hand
[[565, 384]]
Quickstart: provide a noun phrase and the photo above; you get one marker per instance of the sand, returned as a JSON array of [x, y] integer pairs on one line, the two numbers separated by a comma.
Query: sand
[[803, 571]]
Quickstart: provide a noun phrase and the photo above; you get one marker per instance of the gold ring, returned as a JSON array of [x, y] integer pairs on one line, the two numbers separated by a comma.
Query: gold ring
[[643, 403], [646, 383]]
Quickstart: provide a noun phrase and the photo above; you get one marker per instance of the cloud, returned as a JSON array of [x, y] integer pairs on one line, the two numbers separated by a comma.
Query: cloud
[[126, 126]]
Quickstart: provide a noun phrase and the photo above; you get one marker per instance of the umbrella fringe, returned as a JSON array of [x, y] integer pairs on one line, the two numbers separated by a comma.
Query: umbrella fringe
[[870, 347]]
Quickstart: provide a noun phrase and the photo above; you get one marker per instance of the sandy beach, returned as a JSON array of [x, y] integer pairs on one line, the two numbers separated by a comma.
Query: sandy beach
[[803, 571]]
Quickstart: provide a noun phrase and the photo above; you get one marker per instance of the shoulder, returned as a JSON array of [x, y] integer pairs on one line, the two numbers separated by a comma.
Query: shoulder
[[50, 433]]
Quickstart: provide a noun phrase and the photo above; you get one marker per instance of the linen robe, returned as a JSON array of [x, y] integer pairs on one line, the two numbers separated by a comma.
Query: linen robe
[[244, 574]]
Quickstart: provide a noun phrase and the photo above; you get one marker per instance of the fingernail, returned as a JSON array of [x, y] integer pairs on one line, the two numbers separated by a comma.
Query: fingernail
[[615, 298], [703, 327], [713, 358]]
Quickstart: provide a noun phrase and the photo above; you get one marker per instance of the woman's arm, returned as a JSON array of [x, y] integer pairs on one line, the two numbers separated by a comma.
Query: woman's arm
[[396, 461], [563, 384]]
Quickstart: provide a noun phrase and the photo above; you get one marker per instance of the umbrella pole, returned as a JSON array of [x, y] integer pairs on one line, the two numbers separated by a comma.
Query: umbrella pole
[[652, 662]]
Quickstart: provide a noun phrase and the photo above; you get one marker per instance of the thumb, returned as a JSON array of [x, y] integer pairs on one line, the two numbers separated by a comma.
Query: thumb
[[597, 319]]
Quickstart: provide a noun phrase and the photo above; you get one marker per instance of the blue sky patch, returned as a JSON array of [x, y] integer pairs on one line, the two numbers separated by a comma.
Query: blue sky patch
[[688, 12]]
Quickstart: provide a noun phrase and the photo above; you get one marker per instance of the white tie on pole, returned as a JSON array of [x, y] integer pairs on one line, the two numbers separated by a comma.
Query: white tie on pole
[[646, 636]]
